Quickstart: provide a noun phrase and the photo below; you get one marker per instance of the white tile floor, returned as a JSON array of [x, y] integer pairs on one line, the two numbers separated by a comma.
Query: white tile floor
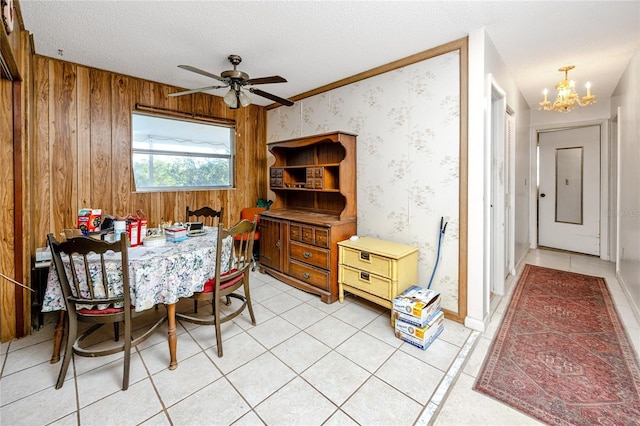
[[304, 363]]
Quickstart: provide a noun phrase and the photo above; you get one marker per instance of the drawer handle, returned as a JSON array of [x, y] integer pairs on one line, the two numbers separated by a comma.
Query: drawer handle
[[306, 275], [364, 276], [306, 254], [364, 256], [306, 234]]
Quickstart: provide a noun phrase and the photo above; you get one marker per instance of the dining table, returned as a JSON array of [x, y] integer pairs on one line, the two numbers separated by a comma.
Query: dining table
[[158, 275]]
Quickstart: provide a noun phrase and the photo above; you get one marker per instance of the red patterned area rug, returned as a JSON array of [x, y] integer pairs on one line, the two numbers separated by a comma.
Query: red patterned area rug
[[561, 354]]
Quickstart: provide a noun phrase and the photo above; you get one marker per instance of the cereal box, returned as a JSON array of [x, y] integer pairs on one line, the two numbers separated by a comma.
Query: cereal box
[[421, 337], [89, 220], [416, 305]]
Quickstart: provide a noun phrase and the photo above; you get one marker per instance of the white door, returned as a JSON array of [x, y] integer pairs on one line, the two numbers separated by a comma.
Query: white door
[[497, 213], [509, 197], [569, 189]]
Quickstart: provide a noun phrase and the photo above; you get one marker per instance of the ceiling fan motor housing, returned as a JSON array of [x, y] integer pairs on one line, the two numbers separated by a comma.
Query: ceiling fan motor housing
[[234, 75]]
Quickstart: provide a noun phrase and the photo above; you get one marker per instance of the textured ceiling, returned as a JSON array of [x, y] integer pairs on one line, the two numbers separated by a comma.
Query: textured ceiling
[[313, 43]]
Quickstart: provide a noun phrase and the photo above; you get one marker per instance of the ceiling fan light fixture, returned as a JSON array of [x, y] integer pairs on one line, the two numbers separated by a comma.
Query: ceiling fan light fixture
[[244, 99], [231, 99]]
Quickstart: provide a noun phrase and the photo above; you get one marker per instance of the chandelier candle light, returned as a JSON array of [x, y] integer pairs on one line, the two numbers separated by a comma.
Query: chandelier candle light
[[567, 97]]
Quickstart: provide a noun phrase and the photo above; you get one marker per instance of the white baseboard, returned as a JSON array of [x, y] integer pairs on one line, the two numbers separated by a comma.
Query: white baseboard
[[520, 263], [632, 304], [476, 324]]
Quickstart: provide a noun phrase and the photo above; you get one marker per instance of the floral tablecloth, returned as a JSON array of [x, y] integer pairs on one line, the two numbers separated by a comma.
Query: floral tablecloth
[[159, 274]]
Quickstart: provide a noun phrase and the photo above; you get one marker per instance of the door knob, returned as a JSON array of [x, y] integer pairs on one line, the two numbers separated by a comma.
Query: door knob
[[543, 195]]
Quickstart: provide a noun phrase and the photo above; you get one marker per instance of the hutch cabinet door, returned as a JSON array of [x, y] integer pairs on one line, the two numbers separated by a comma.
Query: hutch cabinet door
[[270, 242]]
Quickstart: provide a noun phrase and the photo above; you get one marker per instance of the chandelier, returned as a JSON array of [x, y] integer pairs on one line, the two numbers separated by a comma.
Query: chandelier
[[567, 97]]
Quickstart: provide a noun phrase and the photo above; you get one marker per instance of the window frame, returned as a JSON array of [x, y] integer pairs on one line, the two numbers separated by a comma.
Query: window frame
[[184, 117]]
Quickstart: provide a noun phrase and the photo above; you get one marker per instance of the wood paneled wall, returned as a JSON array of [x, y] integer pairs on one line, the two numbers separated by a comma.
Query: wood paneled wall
[[15, 94], [74, 140], [7, 240], [83, 148]]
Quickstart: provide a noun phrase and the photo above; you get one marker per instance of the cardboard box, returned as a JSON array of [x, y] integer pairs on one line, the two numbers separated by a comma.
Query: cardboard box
[[421, 337], [89, 220], [43, 257], [133, 232], [176, 234], [416, 306], [142, 232], [43, 254]]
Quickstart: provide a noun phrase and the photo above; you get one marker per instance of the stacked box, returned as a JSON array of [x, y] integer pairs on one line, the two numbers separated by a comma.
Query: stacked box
[[416, 306], [418, 317], [421, 337]]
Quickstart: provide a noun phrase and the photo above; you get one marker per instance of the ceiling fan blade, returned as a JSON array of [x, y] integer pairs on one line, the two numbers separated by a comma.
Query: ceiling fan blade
[[267, 80], [202, 89], [275, 98], [202, 72]]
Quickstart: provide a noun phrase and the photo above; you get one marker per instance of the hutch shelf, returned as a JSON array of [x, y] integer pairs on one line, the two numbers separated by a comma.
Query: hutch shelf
[[314, 179]]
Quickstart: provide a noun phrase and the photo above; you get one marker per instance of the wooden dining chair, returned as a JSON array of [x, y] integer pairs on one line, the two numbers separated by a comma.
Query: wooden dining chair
[[253, 213], [88, 293], [227, 283], [206, 215]]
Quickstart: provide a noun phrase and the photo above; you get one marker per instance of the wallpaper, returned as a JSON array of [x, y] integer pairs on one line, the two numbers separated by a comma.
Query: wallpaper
[[408, 126]]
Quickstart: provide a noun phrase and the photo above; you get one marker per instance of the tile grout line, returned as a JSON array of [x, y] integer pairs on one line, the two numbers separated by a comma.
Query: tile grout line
[[432, 407]]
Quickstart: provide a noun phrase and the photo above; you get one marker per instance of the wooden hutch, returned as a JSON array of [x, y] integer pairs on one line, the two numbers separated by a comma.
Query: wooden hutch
[[314, 179]]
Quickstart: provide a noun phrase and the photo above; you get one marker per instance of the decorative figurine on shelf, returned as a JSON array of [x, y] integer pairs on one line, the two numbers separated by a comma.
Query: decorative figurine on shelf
[[264, 203]]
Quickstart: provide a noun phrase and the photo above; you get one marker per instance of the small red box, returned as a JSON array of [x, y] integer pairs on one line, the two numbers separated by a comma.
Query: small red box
[[133, 231], [142, 231], [89, 220]]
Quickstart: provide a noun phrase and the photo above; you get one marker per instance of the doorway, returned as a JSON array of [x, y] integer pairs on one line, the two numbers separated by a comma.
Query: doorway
[[569, 189], [501, 125]]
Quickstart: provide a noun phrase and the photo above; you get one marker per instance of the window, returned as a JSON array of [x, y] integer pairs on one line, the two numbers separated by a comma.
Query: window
[[177, 154]]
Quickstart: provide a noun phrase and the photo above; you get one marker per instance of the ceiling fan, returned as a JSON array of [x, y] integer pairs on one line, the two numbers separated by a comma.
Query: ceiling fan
[[235, 80]]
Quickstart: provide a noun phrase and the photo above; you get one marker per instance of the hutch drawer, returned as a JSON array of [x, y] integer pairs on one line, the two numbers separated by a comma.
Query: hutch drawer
[[310, 275], [309, 234], [309, 254]]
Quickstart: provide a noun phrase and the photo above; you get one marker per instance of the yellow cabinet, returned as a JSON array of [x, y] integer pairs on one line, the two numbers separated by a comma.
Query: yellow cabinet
[[376, 270]]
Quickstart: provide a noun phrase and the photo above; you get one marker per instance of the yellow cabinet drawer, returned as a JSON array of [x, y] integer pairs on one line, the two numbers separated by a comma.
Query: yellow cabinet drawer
[[310, 275], [365, 281], [367, 261], [310, 254]]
